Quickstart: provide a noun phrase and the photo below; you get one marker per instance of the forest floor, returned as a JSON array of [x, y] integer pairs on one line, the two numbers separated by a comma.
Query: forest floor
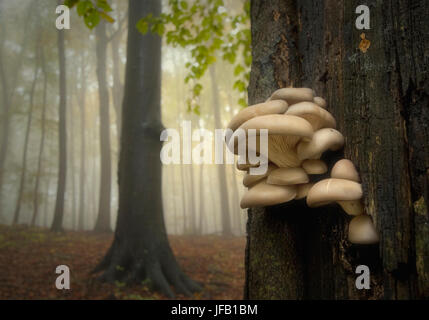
[[29, 256]]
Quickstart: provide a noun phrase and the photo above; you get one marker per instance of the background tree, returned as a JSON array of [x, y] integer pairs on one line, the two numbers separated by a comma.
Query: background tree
[[140, 250], [380, 100], [57, 224]]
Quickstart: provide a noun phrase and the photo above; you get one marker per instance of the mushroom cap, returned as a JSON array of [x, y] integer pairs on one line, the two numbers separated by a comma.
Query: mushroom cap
[[303, 190], [282, 151], [250, 179], [317, 116], [280, 124], [362, 230], [245, 166], [323, 139], [270, 107], [287, 176], [345, 169], [320, 102], [293, 95], [352, 207], [263, 194], [284, 132], [314, 166], [329, 190]]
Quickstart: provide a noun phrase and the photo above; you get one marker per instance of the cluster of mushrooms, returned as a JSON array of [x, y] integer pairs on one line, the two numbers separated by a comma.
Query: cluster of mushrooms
[[300, 130]]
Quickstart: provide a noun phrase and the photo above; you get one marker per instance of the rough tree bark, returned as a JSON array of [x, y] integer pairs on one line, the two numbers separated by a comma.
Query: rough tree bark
[[103, 218], [57, 223], [380, 100], [140, 250]]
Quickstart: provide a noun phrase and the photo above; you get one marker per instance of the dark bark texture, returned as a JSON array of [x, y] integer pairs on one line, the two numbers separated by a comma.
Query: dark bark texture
[[380, 100], [140, 250]]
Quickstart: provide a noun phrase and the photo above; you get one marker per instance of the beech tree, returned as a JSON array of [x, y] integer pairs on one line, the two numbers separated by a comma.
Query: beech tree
[[379, 96], [140, 249]]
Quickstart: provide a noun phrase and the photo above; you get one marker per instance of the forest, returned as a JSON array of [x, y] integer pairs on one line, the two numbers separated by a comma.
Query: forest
[[114, 174]]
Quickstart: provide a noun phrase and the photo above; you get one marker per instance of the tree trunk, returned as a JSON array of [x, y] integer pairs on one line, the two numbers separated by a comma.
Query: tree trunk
[[82, 172], [118, 87], [140, 245], [103, 219], [57, 224], [26, 140], [221, 169], [201, 208], [380, 100], [42, 139]]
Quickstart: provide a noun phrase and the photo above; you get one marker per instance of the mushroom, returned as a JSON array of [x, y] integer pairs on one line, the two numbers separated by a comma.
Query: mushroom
[[303, 190], [250, 179], [284, 132], [320, 102], [333, 190], [317, 116], [245, 166], [287, 176], [270, 107], [323, 140], [314, 166], [352, 207], [293, 95], [263, 194], [345, 169], [362, 230]]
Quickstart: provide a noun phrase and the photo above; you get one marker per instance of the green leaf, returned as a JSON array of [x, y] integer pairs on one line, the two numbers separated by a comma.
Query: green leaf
[[92, 19], [242, 102], [197, 89], [197, 110], [104, 5], [106, 17], [83, 7], [184, 5], [70, 3], [238, 70], [142, 26]]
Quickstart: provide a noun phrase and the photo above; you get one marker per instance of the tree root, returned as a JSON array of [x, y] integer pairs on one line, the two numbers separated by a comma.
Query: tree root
[[156, 268]]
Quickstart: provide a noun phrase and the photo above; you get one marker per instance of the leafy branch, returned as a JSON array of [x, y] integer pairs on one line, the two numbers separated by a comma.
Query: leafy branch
[[209, 30], [91, 11]]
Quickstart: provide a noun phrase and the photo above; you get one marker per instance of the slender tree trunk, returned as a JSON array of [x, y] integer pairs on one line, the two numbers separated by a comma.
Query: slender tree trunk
[[72, 170], [192, 199], [201, 209], [82, 173], [221, 169], [118, 87], [103, 219], [42, 139], [141, 245], [184, 198], [57, 224], [380, 100], [26, 140]]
